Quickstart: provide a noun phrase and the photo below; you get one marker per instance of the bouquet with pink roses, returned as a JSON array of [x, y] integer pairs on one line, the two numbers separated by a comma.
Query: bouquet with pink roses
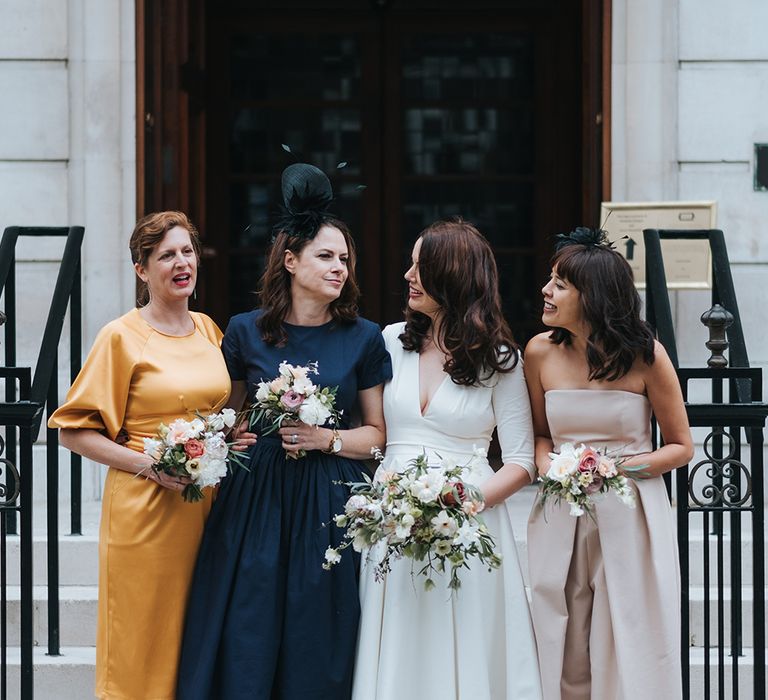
[[582, 475], [196, 449], [293, 396]]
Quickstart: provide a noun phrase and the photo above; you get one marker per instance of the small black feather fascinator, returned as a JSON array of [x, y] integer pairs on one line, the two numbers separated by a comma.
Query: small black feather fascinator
[[581, 235], [307, 194]]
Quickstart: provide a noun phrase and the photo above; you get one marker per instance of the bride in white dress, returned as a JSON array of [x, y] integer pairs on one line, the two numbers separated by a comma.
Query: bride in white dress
[[457, 376]]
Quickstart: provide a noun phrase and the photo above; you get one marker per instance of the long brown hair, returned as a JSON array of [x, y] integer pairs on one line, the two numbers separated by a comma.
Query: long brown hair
[[149, 233], [611, 307], [275, 286], [457, 269]]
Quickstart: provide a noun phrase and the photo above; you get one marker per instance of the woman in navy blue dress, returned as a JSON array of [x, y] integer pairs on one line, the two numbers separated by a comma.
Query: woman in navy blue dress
[[264, 619]]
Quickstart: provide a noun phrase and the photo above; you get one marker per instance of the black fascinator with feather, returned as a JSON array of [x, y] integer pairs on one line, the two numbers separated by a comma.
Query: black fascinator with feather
[[582, 235], [307, 194]]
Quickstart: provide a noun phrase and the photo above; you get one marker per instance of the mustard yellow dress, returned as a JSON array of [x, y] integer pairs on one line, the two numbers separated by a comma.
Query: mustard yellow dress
[[134, 378]]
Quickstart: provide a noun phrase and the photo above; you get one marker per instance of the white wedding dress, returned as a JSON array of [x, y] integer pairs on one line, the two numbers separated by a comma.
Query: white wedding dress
[[478, 643]]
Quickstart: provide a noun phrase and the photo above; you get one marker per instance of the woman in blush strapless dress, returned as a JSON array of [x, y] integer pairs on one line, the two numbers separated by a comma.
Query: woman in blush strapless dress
[[605, 590]]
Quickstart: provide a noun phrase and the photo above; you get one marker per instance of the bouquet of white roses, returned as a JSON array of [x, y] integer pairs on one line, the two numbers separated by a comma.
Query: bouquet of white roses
[[426, 513], [582, 475], [194, 448], [293, 396]]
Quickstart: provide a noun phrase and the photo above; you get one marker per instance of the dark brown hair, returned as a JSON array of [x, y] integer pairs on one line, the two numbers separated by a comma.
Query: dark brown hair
[[275, 287], [611, 307], [457, 269], [149, 233]]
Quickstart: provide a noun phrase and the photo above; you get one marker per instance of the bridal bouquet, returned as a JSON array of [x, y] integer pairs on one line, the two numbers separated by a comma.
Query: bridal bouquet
[[293, 396], [196, 449], [582, 475], [428, 514]]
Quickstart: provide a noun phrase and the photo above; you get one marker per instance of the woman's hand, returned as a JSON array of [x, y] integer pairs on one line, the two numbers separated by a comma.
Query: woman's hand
[[297, 435], [542, 466], [172, 483], [242, 437]]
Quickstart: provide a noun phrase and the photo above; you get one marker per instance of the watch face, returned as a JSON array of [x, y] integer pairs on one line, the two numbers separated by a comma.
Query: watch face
[[337, 445]]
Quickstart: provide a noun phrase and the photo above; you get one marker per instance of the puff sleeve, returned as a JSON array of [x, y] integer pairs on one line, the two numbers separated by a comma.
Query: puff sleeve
[[512, 410], [98, 397]]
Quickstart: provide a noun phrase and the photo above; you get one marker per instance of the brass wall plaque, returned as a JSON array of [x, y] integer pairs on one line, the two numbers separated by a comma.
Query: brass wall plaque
[[687, 264]]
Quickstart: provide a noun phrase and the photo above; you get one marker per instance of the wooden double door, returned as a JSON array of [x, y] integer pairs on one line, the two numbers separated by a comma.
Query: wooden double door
[[488, 110]]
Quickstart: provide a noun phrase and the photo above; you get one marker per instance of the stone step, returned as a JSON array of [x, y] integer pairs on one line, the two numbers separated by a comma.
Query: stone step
[[745, 675], [77, 615], [70, 676], [78, 612], [697, 608], [78, 560]]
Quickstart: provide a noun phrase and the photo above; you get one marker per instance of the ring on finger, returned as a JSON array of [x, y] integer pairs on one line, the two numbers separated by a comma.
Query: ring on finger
[[294, 439]]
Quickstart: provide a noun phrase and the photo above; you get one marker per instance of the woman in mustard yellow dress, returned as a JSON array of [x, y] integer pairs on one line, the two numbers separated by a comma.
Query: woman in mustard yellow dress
[[154, 364]]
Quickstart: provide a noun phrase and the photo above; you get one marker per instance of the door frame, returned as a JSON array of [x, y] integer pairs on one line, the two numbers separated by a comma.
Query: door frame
[[171, 121]]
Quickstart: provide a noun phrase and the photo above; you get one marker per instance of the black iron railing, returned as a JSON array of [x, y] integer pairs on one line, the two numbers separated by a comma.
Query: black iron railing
[[26, 395], [720, 503], [720, 498]]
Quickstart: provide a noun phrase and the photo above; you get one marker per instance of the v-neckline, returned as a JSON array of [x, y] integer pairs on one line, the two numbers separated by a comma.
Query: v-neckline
[[423, 413]]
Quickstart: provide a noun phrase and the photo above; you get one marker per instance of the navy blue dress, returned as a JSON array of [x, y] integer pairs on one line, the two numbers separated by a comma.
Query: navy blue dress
[[264, 619]]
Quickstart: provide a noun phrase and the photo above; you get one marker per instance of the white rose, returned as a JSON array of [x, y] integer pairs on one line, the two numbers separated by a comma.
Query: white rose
[[153, 448], [302, 385], [211, 472], [216, 447], [263, 392], [563, 465], [196, 427], [313, 412]]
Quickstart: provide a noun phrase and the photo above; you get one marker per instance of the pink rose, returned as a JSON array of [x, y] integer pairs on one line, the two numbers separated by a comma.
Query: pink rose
[[607, 467], [589, 461], [290, 399], [193, 448]]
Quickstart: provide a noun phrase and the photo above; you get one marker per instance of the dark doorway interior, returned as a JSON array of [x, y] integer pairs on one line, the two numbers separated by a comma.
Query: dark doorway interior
[[488, 112]]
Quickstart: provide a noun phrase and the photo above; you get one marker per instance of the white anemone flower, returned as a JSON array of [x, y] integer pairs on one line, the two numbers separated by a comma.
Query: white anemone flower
[[428, 486], [444, 524]]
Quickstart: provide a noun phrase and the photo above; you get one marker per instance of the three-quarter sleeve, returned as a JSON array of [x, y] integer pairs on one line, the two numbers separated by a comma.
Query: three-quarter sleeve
[[512, 409], [375, 365], [98, 397]]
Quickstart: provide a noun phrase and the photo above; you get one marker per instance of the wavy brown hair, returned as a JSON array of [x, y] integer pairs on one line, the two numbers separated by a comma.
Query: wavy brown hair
[[275, 286], [149, 233], [457, 269], [611, 307]]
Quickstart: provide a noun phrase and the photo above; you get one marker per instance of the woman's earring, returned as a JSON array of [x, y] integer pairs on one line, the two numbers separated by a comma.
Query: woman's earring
[[194, 293]]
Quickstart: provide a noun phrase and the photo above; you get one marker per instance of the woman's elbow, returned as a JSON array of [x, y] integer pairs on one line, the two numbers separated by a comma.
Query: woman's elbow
[[688, 452], [68, 438]]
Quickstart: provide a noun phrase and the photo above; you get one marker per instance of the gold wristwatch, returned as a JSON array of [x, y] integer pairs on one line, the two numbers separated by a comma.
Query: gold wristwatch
[[335, 445]]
